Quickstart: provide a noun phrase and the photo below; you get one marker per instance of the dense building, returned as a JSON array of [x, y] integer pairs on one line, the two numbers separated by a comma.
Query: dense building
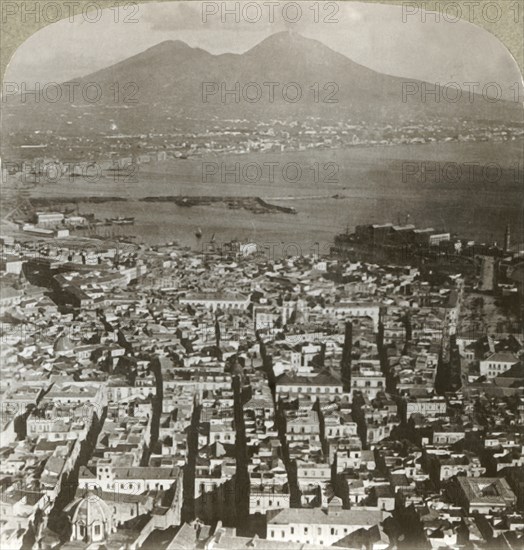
[[311, 406]]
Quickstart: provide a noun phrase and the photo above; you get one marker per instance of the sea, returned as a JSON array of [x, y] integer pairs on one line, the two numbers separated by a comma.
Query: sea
[[473, 190]]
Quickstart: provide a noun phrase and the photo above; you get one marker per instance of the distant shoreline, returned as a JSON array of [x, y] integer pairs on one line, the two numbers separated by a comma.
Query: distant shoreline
[[255, 205]]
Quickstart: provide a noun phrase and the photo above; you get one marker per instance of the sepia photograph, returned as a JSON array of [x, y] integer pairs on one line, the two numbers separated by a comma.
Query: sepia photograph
[[262, 275]]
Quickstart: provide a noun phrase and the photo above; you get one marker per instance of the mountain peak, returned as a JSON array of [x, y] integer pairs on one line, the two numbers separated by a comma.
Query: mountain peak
[[300, 51], [171, 45], [286, 39]]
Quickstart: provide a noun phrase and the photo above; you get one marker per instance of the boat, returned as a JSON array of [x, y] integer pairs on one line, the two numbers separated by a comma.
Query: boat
[[122, 221], [198, 233]]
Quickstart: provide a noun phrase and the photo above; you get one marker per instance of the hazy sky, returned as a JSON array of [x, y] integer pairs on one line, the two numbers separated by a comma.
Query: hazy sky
[[370, 34]]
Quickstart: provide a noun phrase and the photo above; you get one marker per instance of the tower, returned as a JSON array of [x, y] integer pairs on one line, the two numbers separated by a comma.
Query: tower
[[345, 364]]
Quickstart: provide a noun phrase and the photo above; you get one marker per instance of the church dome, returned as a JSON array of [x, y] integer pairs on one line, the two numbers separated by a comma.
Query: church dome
[[63, 344], [91, 518], [91, 508]]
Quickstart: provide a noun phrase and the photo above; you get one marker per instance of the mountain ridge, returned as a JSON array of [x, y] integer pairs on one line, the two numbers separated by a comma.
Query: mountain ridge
[[169, 80]]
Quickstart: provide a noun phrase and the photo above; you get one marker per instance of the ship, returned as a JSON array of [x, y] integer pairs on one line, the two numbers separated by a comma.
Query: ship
[[121, 221]]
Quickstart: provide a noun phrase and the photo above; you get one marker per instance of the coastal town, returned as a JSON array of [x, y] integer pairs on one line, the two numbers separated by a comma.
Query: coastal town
[[44, 159], [162, 397]]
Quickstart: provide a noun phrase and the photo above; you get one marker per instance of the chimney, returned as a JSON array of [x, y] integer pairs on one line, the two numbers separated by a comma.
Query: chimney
[[507, 239], [217, 332], [334, 505], [323, 354], [217, 535]]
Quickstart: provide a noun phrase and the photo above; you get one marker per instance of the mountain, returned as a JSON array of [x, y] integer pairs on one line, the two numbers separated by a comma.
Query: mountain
[[167, 81]]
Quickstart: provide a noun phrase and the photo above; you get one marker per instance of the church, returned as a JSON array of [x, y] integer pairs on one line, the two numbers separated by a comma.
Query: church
[[91, 520]]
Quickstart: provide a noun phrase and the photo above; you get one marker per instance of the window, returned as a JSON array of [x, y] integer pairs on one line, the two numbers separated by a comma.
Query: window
[[305, 530], [258, 502], [97, 529], [273, 534], [292, 530], [283, 533], [320, 531], [332, 531]]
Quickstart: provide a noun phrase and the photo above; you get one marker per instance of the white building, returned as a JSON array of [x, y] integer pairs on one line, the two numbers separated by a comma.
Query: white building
[[49, 218], [349, 310], [133, 480], [427, 406], [316, 526], [497, 363], [217, 300], [368, 381]]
